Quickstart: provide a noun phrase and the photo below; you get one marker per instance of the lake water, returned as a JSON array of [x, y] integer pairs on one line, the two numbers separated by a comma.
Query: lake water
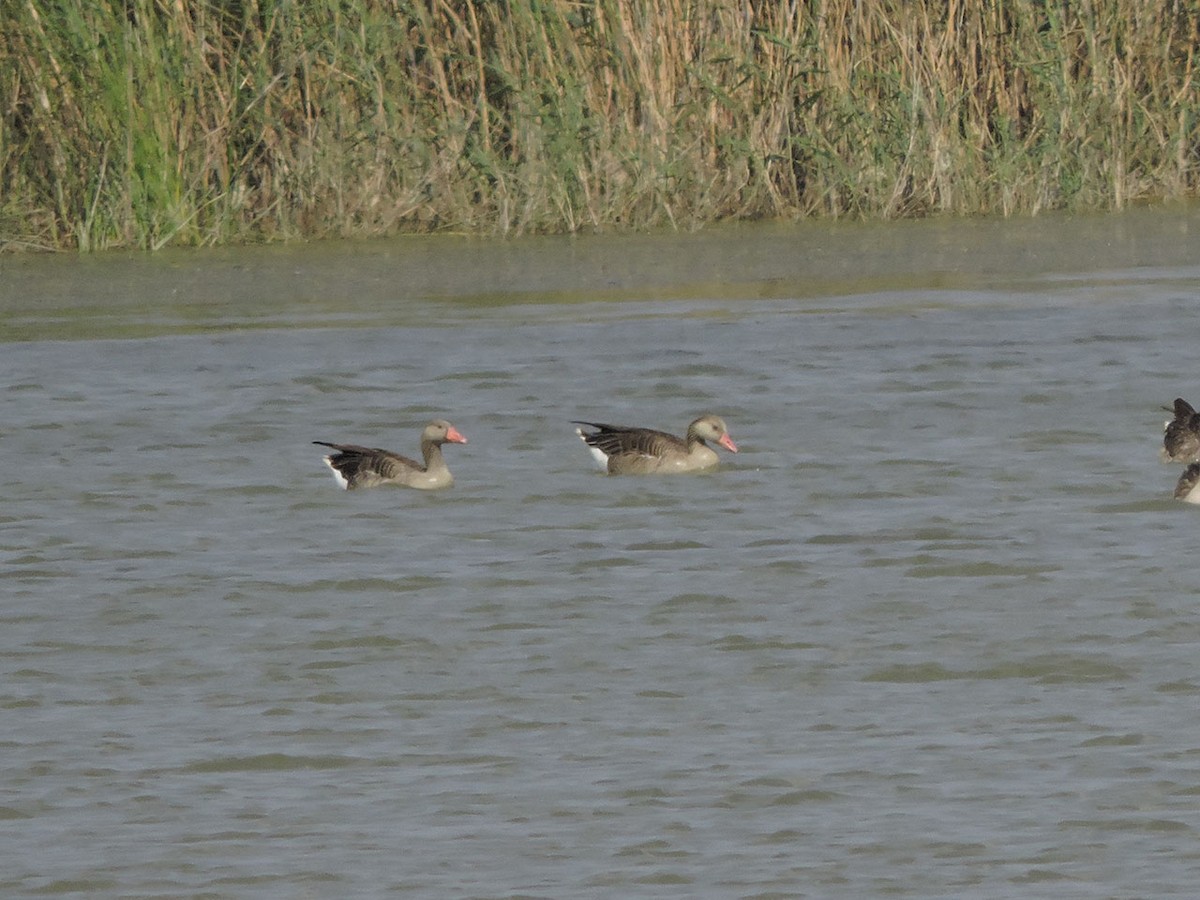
[[932, 633]]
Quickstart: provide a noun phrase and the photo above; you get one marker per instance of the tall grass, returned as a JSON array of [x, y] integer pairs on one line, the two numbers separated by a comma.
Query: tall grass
[[150, 122]]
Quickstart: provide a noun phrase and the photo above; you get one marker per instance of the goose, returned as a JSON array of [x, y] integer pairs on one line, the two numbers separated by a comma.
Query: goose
[[1181, 435], [363, 467], [1187, 488], [640, 451]]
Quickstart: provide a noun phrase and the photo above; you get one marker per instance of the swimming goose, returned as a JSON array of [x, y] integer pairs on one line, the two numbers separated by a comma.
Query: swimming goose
[[362, 467], [1187, 488], [641, 451], [1181, 435]]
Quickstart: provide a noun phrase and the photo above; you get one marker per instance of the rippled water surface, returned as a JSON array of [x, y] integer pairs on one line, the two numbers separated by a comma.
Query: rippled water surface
[[932, 633]]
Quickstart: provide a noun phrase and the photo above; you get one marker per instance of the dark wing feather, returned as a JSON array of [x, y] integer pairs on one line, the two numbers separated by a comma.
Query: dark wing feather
[[357, 463], [617, 440], [1181, 439], [390, 465], [351, 448]]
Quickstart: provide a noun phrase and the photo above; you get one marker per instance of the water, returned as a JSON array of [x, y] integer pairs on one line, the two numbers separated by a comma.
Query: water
[[932, 633]]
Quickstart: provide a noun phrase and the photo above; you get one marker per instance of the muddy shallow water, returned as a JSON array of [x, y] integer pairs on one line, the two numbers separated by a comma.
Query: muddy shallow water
[[931, 633]]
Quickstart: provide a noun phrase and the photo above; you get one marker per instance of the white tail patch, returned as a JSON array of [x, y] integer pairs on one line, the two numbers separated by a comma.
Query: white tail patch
[[338, 476], [1186, 492], [598, 455]]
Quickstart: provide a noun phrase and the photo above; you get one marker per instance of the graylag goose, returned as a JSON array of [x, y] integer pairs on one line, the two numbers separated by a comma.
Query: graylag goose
[[363, 467], [1187, 488], [1181, 435], [642, 451]]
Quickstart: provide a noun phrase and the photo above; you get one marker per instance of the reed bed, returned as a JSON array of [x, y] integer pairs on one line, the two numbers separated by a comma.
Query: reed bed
[[144, 123]]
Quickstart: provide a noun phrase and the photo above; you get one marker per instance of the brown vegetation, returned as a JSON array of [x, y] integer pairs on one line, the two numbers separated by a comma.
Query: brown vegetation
[[149, 122]]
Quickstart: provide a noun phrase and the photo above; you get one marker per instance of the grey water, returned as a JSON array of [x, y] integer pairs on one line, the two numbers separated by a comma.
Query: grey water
[[933, 632]]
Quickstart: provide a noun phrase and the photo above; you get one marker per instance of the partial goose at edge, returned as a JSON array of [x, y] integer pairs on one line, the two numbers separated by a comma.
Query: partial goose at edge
[[1181, 435]]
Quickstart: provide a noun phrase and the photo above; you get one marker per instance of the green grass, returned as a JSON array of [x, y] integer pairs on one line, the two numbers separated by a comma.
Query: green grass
[[146, 123]]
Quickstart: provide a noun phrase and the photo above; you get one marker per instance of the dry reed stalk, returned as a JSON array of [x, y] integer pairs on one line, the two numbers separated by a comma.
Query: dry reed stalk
[[158, 121]]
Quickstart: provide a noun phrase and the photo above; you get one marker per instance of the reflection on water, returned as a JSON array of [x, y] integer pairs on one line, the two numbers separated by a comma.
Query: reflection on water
[[931, 632]]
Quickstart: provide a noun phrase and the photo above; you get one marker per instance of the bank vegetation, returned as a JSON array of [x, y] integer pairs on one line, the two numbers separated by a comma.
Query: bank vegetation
[[145, 123]]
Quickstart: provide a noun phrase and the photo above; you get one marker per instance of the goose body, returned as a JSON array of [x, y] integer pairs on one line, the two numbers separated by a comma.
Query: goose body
[[1187, 488], [362, 467], [622, 450], [1181, 435]]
